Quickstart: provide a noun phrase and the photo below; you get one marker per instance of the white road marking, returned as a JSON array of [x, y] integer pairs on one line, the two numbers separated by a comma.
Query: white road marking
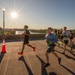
[[6, 65], [30, 65]]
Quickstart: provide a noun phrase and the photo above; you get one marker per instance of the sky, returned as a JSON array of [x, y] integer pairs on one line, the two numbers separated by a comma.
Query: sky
[[38, 14]]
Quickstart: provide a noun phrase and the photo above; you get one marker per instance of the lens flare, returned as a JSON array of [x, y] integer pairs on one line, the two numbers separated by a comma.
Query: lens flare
[[14, 14]]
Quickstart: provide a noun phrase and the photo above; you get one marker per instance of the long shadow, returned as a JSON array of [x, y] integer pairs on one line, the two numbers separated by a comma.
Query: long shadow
[[66, 49], [28, 69], [1, 56], [61, 47], [68, 70], [44, 72], [52, 73], [73, 51], [69, 57], [69, 51]]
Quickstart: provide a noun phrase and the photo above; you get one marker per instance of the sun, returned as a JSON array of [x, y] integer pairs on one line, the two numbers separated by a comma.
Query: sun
[[14, 14]]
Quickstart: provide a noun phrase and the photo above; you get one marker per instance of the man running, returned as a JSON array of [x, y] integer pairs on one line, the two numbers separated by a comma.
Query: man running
[[51, 39], [26, 40], [66, 35]]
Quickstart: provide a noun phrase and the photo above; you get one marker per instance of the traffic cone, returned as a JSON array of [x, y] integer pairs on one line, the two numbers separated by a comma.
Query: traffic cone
[[3, 47]]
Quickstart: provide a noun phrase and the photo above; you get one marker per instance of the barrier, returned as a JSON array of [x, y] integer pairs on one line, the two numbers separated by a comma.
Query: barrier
[[20, 37]]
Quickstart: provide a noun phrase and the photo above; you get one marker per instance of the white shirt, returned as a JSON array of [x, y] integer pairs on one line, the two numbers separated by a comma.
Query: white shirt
[[66, 34]]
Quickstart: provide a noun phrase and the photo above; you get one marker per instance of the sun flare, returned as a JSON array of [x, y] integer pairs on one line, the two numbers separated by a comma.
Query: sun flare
[[14, 14]]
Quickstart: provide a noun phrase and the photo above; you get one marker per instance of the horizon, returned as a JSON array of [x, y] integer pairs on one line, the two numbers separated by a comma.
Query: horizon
[[38, 14], [33, 29]]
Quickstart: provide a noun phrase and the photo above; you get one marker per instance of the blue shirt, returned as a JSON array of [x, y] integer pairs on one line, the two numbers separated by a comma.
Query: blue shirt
[[51, 38]]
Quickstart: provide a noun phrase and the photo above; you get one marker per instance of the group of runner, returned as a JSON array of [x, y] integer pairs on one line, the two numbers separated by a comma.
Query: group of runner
[[51, 38]]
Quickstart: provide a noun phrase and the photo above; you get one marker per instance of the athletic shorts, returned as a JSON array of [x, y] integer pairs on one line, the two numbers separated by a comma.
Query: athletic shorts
[[66, 42], [61, 37], [26, 41], [51, 48], [71, 37]]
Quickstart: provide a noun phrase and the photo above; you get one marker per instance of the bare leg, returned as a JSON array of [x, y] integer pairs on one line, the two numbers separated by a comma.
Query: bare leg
[[64, 48], [70, 41], [21, 53], [71, 48], [34, 48], [47, 57], [23, 47], [30, 45], [59, 59], [55, 54]]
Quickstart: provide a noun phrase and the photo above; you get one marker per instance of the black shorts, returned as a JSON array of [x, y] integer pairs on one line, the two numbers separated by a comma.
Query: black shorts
[[61, 37], [66, 42], [71, 37], [26, 41], [51, 48]]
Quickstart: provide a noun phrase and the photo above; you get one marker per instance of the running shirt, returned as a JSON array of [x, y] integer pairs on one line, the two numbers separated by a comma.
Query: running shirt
[[66, 35], [26, 36], [51, 38]]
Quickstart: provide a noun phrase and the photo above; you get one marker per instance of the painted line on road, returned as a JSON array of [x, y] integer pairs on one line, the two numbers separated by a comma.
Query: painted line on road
[[6, 65], [30, 65]]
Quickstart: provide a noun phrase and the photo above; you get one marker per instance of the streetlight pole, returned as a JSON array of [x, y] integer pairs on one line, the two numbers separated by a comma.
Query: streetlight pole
[[3, 21], [3, 45]]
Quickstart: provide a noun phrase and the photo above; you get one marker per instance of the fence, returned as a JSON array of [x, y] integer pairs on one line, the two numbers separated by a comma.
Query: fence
[[20, 37]]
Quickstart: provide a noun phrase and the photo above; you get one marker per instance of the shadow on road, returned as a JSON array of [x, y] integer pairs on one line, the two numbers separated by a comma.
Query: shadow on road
[[68, 70], [28, 69], [69, 51], [44, 72], [1, 56], [52, 73], [69, 57]]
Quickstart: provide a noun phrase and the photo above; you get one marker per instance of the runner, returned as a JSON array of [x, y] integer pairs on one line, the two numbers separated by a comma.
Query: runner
[[66, 36], [71, 37], [61, 37], [26, 40], [72, 45], [51, 39]]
